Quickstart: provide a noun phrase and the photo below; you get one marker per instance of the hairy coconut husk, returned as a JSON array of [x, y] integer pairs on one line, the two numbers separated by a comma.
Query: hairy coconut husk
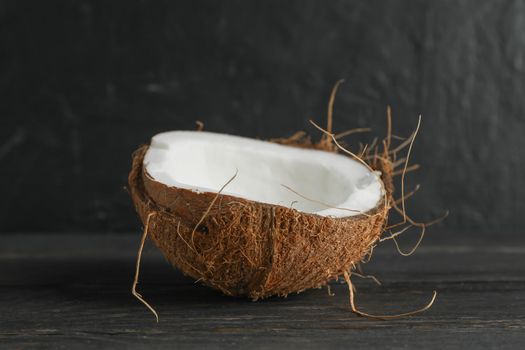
[[252, 249]]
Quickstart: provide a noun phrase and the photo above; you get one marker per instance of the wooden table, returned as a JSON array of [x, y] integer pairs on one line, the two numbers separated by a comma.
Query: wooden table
[[73, 290]]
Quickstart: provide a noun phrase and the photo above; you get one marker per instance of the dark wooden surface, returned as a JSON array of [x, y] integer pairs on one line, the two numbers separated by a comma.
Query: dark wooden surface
[[68, 291]]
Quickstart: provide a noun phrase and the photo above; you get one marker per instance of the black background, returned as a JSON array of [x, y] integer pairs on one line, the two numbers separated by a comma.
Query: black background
[[84, 83]]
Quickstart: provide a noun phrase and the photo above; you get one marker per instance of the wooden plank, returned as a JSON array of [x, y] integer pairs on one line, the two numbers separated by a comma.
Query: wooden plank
[[60, 291]]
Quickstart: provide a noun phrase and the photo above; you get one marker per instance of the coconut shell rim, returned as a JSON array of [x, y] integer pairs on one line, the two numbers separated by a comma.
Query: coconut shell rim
[[145, 176]]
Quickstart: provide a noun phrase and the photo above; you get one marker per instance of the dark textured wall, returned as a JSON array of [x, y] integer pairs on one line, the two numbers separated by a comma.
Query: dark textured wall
[[83, 83]]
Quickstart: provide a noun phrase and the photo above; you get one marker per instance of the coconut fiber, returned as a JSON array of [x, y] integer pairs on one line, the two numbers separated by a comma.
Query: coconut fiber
[[251, 249]]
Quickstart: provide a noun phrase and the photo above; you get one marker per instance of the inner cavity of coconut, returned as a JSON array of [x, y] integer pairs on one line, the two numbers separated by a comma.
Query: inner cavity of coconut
[[307, 180]]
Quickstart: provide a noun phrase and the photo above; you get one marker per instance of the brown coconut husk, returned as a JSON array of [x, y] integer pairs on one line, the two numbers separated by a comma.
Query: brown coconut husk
[[246, 248], [256, 250]]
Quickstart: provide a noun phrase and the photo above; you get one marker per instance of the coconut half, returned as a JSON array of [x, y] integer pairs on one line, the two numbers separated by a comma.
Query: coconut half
[[256, 218]]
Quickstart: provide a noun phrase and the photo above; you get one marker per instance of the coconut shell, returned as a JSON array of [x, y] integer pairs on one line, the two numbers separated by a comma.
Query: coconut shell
[[247, 248]]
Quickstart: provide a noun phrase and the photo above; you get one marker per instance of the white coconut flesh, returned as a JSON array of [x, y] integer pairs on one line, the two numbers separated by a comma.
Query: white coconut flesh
[[310, 181]]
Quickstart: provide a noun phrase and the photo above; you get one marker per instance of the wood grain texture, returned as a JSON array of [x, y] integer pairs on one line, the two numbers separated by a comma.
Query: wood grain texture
[[70, 291]]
